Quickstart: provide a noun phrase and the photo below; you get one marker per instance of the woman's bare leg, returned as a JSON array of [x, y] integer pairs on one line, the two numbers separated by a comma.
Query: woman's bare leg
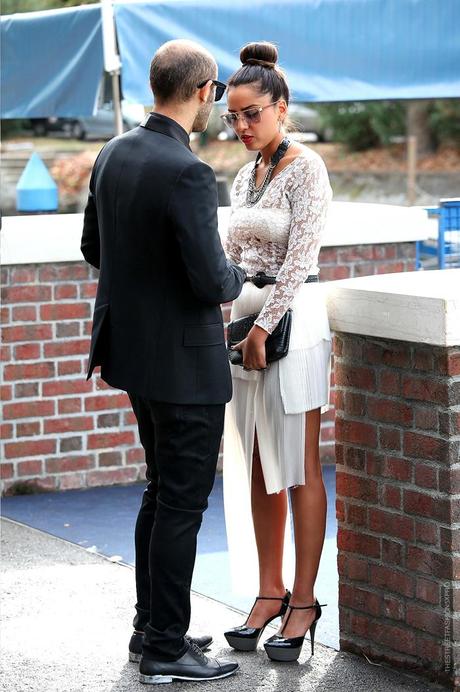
[[309, 504], [269, 517]]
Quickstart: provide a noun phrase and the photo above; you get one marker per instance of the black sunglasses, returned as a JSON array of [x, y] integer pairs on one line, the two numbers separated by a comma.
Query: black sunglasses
[[220, 87]]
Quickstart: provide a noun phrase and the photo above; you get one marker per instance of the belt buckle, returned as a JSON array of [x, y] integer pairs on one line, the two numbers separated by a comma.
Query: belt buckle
[[259, 279]]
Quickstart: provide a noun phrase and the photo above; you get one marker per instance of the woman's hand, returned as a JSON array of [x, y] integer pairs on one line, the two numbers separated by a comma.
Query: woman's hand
[[253, 349]]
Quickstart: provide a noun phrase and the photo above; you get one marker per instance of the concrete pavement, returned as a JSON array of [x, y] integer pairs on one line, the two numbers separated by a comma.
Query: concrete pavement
[[67, 620]]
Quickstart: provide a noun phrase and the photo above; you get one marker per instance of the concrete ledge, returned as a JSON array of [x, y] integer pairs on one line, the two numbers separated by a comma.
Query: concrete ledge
[[45, 238], [422, 307]]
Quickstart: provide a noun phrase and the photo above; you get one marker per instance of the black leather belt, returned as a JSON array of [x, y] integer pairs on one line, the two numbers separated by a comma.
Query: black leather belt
[[261, 279]]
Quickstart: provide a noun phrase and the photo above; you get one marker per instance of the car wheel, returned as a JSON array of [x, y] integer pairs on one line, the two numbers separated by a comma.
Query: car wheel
[[77, 131]]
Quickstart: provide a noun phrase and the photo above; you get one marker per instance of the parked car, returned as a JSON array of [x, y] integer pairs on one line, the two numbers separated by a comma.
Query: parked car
[[98, 126]]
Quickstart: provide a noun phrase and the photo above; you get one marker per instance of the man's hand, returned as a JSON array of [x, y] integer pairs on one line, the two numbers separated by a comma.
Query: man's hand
[[253, 349]]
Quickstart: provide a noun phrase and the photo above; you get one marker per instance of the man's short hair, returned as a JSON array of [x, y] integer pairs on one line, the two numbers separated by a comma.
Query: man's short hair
[[177, 68]]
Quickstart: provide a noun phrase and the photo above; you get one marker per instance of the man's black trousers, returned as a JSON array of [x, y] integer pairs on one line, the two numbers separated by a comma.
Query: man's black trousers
[[181, 443]]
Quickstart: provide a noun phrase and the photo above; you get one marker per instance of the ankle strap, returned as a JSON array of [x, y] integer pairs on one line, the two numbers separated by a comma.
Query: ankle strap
[[271, 598], [315, 605]]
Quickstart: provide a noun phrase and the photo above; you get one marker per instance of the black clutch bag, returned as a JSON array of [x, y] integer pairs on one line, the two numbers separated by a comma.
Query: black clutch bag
[[276, 345]]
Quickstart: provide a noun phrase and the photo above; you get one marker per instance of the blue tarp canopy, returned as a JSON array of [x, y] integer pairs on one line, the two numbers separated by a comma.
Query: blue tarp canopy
[[52, 62], [332, 50]]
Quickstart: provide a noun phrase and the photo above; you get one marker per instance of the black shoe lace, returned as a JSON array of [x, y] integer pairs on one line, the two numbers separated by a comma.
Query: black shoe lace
[[196, 651]]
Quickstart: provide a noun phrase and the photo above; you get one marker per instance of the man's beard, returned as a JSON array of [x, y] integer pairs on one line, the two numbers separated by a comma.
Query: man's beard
[[201, 121]]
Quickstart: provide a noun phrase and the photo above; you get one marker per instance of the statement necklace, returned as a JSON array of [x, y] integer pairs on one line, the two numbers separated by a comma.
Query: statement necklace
[[254, 193]]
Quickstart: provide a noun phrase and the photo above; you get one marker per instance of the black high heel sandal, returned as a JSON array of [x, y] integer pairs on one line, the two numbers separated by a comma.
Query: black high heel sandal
[[281, 648], [245, 638]]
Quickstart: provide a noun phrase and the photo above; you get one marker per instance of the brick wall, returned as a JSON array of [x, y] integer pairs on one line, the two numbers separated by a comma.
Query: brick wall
[[60, 431], [398, 502]]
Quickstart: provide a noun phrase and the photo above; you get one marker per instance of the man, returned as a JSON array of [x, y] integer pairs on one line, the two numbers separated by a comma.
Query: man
[[151, 227]]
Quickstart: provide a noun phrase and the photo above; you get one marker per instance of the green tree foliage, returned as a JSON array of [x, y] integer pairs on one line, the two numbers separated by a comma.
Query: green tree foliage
[[12, 6]]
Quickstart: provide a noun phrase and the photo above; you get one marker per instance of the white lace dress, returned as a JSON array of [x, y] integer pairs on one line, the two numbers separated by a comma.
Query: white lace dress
[[280, 235]]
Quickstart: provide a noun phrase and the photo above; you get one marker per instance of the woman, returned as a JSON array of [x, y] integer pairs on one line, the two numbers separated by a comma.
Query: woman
[[279, 206]]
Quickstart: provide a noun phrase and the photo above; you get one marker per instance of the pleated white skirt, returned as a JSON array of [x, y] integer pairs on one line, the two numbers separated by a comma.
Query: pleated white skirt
[[273, 402]]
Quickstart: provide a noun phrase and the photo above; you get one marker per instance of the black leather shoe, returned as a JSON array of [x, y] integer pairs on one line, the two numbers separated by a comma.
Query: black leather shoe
[[281, 648], [137, 639], [246, 638], [193, 665]]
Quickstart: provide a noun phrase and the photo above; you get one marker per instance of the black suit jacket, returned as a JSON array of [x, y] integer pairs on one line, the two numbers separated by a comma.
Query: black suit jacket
[[150, 225]]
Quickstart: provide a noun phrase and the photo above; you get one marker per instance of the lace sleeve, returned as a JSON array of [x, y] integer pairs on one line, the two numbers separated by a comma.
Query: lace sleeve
[[309, 193]]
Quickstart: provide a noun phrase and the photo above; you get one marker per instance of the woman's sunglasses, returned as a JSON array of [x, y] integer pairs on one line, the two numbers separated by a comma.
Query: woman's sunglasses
[[250, 115], [220, 87]]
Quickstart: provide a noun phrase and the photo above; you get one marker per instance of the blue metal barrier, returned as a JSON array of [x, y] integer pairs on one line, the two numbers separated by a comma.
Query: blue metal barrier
[[446, 248]]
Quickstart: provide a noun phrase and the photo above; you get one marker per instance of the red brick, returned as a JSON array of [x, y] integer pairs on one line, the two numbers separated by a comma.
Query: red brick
[[101, 385], [67, 348], [426, 505], [356, 432], [65, 291], [357, 568], [354, 458], [356, 542], [67, 329], [70, 405], [389, 411], [335, 273], [355, 376], [69, 367], [112, 439], [384, 251], [88, 290], [374, 463], [29, 332], [430, 650], [110, 459], [426, 476], [27, 352], [427, 532], [25, 313], [353, 253], [5, 352], [4, 315], [328, 254], [28, 409], [65, 311], [72, 424], [390, 439], [453, 363], [58, 387], [425, 619], [391, 523], [426, 418], [135, 456], [6, 392], [362, 269], [425, 389], [337, 343], [24, 390], [6, 471], [393, 608], [29, 371], [399, 469], [354, 404], [32, 448], [360, 487], [70, 463], [104, 402], [111, 476], [70, 444], [389, 268], [427, 590], [423, 359], [392, 496], [392, 579], [450, 539], [424, 561], [71, 481], [108, 420], [64, 272], [425, 446], [129, 418], [357, 515], [359, 626], [26, 294], [360, 599], [339, 509], [6, 431], [29, 468], [394, 637], [449, 423], [390, 383], [28, 429], [392, 552], [23, 275], [449, 480]]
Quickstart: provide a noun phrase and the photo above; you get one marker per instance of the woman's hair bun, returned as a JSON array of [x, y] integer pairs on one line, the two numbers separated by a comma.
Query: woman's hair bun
[[259, 53]]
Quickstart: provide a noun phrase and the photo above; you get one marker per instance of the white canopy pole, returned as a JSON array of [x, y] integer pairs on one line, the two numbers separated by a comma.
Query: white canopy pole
[[112, 62]]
